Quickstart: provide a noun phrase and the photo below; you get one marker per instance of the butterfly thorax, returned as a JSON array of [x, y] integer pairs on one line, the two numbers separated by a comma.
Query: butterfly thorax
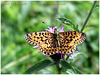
[[55, 37]]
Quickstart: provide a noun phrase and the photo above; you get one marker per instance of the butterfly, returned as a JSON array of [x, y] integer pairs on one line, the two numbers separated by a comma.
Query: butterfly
[[57, 42]]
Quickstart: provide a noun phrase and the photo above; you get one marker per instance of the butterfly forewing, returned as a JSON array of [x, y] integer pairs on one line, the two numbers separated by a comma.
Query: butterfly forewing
[[45, 40]]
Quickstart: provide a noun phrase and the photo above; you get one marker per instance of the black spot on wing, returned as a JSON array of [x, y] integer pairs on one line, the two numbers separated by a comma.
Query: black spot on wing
[[74, 32], [73, 36], [51, 52], [47, 53], [68, 33], [41, 38], [37, 37], [43, 34], [39, 34], [34, 37], [71, 39], [35, 33], [67, 46], [44, 52]]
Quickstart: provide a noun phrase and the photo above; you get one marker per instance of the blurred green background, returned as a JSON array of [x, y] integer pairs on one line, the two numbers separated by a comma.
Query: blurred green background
[[19, 18]]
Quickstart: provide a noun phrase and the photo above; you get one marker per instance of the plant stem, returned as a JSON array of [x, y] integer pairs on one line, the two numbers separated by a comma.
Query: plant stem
[[88, 16], [58, 67]]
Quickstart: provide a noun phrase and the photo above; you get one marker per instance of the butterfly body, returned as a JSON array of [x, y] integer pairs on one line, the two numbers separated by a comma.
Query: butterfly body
[[57, 42]]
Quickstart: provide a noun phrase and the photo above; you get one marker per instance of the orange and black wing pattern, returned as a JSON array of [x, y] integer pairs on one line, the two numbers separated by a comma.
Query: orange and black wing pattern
[[45, 40], [68, 41]]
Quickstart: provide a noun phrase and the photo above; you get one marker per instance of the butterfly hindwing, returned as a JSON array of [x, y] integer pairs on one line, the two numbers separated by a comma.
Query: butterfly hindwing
[[45, 40]]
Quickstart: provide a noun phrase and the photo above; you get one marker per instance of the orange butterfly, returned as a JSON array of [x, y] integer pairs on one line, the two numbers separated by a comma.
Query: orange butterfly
[[53, 42]]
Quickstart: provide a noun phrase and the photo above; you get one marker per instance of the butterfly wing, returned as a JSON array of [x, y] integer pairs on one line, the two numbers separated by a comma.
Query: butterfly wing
[[68, 41], [45, 40]]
